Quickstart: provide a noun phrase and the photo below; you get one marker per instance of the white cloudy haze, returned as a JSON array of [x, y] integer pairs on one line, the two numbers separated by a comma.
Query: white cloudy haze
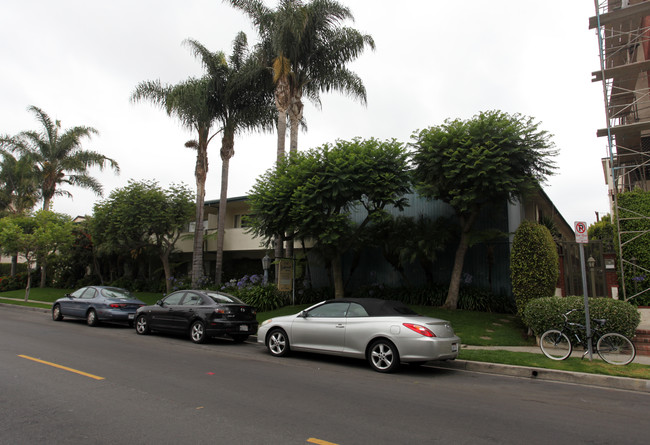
[[80, 60]]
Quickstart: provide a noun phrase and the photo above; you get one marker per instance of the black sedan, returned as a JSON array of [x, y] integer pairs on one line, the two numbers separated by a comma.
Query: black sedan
[[199, 313], [98, 303]]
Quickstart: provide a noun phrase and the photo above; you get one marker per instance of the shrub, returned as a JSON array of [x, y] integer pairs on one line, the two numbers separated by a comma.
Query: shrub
[[470, 298], [251, 290], [543, 314], [534, 264], [18, 281], [635, 242]]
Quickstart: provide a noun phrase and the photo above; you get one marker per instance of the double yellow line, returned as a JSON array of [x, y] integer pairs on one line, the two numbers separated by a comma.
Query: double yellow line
[[61, 367]]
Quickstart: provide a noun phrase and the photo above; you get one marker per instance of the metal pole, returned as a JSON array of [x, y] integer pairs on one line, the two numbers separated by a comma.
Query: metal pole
[[584, 289]]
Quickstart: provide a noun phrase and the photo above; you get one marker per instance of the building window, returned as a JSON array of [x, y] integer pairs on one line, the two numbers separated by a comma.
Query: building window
[[190, 227], [240, 222]]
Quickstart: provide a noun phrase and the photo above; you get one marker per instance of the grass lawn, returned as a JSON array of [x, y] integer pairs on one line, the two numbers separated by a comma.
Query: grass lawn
[[474, 328], [50, 295]]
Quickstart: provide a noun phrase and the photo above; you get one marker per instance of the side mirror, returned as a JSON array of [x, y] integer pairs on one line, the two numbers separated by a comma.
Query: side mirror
[[68, 296], [303, 314], [160, 303]]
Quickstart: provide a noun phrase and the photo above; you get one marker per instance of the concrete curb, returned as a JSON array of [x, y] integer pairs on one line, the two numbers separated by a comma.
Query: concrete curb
[[553, 375], [25, 307]]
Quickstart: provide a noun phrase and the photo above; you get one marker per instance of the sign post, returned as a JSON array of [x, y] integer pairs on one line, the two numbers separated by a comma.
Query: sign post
[[582, 238]]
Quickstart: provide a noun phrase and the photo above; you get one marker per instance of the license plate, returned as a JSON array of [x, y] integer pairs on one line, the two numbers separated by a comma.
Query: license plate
[[131, 316], [243, 328], [454, 347]]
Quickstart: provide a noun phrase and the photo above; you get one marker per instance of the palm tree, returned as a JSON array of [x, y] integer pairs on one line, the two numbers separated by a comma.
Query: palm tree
[[18, 190], [18, 185], [189, 102], [241, 100], [59, 158], [308, 50]]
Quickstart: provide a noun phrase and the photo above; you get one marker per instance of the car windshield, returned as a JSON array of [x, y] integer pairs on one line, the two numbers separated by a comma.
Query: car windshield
[[223, 298], [117, 293]]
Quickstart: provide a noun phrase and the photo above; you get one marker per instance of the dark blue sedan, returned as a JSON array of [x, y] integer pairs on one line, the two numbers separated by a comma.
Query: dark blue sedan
[[96, 304]]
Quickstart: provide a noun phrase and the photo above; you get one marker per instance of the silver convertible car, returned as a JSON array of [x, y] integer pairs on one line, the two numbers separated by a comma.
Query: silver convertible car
[[383, 332]]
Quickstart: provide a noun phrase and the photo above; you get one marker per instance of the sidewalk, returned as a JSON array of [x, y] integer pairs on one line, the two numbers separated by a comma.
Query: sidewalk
[[577, 352], [581, 378]]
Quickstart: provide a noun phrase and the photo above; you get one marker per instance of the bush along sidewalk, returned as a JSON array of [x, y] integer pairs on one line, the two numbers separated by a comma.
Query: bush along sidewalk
[[543, 314]]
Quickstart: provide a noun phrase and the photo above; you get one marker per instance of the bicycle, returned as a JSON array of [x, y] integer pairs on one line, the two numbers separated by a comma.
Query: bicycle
[[613, 348]]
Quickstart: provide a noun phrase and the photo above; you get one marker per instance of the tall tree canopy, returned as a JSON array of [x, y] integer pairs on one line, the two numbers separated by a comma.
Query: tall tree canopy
[[473, 163], [59, 158], [307, 49], [309, 195], [143, 216]]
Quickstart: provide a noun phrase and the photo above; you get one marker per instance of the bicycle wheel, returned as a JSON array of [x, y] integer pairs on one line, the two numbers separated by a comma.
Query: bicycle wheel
[[555, 345], [616, 349]]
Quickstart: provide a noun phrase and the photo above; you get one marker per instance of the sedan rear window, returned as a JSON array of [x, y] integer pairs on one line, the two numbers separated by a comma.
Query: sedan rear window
[[120, 294], [218, 297]]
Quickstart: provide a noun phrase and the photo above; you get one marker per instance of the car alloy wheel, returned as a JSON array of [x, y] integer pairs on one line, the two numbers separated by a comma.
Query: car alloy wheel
[[383, 356], [141, 325], [56, 313], [278, 343], [197, 332], [91, 318]]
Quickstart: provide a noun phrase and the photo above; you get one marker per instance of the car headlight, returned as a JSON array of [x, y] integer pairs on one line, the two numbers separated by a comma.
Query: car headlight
[[267, 321]]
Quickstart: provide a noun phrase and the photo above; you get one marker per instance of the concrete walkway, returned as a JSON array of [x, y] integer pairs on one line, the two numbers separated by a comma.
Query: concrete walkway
[[577, 352]]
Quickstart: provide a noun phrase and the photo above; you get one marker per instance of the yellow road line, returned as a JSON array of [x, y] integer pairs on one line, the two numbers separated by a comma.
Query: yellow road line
[[62, 367], [319, 442]]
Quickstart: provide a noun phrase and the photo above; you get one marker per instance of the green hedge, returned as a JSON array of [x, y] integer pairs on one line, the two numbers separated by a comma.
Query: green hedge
[[534, 264], [546, 313], [470, 298]]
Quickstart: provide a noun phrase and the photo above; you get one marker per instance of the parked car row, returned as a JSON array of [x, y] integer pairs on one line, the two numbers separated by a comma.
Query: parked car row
[[385, 333]]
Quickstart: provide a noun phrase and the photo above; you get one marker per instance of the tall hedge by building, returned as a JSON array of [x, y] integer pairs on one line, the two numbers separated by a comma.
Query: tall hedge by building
[[635, 239], [534, 264]]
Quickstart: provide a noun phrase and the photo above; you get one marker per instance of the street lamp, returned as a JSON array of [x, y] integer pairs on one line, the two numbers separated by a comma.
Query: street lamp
[[266, 263], [591, 262]]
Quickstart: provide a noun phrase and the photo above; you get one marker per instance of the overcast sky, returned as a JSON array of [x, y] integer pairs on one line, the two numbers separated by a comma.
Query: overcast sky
[[80, 60]]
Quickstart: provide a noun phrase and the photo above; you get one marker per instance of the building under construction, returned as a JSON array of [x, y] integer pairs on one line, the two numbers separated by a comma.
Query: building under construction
[[623, 29]]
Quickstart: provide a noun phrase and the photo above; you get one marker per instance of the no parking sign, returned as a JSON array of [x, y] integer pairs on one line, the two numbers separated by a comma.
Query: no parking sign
[[581, 232]]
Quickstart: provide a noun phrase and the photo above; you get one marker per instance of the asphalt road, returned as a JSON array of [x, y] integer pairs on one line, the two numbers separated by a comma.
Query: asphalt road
[[167, 390]]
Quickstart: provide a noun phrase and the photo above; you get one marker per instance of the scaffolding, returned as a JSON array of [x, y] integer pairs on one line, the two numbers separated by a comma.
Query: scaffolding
[[623, 28]]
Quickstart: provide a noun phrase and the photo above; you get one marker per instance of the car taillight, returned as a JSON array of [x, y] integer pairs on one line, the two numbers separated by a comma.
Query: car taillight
[[116, 305], [419, 329]]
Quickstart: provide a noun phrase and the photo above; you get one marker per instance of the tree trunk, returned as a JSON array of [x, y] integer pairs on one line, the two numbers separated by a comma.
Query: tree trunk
[[278, 254], [281, 103], [282, 133], [14, 265], [201, 172], [43, 274], [29, 281], [454, 283], [295, 116], [164, 259], [337, 276], [227, 152]]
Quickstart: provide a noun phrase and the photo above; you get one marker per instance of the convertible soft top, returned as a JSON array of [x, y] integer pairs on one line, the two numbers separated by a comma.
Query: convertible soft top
[[380, 308]]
